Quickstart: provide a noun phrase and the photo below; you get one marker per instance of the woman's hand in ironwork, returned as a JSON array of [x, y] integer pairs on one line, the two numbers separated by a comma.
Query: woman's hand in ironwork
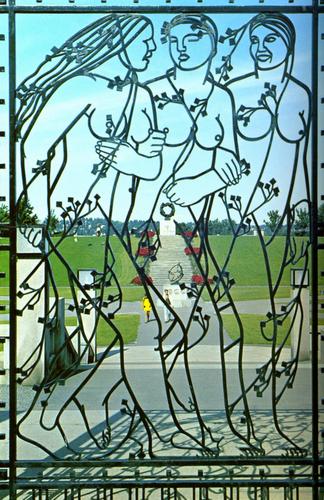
[[153, 145], [116, 153], [227, 166], [187, 191], [124, 158]]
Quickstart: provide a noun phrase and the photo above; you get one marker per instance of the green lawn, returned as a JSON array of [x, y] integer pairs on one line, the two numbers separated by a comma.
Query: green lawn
[[246, 265], [130, 293], [252, 331], [127, 324], [242, 293], [88, 252]]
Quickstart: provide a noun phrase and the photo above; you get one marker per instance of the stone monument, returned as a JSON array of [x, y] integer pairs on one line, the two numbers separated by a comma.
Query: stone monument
[[167, 226]]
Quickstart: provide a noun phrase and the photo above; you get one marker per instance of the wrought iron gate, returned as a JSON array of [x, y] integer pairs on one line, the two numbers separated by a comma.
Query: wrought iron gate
[[213, 115]]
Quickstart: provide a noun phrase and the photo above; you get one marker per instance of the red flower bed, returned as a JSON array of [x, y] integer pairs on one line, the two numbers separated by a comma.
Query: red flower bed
[[138, 281], [199, 279], [143, 251], [189, 234], [189, 251], [149, 233]]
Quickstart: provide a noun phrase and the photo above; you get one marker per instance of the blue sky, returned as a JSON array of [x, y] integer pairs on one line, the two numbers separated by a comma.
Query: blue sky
[[37, 34]]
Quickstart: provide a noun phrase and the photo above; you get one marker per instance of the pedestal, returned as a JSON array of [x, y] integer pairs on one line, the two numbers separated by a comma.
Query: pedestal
[[167, 228]]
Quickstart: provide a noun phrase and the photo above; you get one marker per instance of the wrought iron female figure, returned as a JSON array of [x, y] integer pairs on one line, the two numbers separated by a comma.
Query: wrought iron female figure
[[82, 65], [275, 117], [264, 117], [206, 162]]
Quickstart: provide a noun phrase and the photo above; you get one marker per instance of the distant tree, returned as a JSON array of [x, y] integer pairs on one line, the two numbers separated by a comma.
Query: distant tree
[[25, 212], [302, 222], [214, 226], [273, 220], [220, 226], [52, 222], [4, 213]]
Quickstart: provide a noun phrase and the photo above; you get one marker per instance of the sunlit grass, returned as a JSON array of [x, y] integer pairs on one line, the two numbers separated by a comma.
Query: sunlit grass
[[127, 324], [252, 329]]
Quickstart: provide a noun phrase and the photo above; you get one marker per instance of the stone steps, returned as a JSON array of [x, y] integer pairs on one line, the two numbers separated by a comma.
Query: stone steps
[[170, 254]]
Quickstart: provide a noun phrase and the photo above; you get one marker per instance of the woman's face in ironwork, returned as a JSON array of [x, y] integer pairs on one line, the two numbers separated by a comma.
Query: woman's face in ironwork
[[139, 52], [267, 48], [189, 49]]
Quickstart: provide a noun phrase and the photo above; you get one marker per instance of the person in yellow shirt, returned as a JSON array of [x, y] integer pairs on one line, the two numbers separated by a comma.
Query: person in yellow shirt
[[147, 308]]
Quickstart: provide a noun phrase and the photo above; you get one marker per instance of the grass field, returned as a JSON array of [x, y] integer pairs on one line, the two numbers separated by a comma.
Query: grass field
[[127, 324], [246, 265], [252, 331]]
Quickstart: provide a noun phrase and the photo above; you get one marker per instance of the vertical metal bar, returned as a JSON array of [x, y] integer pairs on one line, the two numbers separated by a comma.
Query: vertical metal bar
[[13, 252], [314, 232]]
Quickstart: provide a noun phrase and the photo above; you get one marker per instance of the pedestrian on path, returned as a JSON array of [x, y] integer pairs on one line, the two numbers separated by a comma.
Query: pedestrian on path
[[167, 312], [147, 308]]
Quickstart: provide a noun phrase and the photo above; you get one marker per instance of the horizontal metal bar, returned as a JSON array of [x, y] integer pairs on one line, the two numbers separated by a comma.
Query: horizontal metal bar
[[167, 483], [162, 462], [29, 256], [163, 9]]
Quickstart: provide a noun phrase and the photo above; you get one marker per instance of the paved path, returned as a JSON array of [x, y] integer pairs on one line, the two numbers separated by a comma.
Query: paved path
[[144, 373]]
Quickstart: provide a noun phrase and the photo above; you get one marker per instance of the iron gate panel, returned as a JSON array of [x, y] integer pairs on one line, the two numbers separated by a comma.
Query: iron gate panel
[[163, 158]]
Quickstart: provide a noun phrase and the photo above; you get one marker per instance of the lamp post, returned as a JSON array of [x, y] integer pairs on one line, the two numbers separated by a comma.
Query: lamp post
[[299, 282]]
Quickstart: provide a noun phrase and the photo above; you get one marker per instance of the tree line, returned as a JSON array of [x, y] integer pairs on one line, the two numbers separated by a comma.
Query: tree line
[[27, 216]]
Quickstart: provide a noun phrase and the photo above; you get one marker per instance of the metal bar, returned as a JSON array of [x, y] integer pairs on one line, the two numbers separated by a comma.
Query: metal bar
[[165, 9], [13, 252], [313, 483], [163, 462], [314, 251], [172, 483]]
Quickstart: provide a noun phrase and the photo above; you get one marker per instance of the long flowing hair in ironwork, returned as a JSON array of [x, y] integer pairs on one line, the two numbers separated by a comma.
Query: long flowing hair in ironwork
[[81, 54]]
